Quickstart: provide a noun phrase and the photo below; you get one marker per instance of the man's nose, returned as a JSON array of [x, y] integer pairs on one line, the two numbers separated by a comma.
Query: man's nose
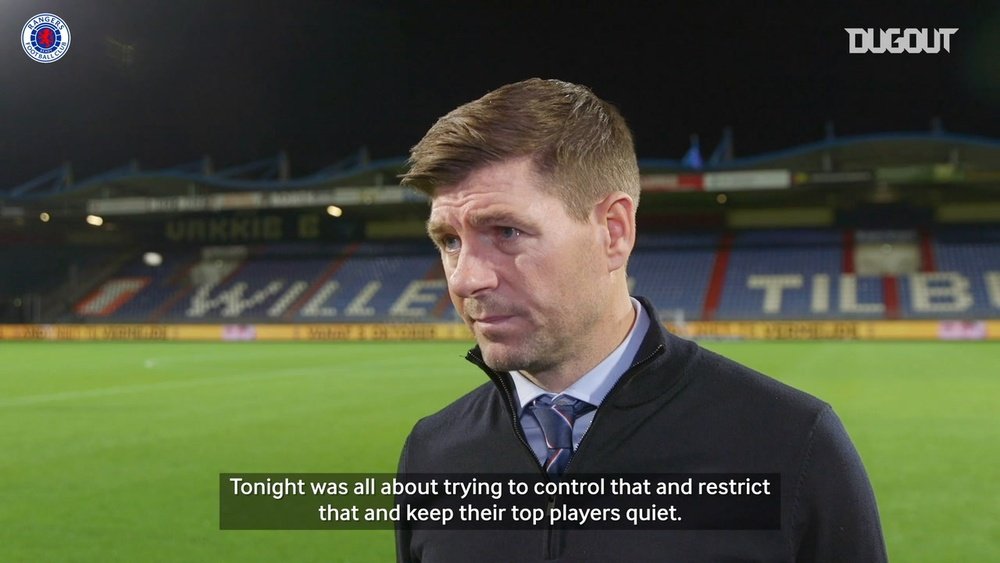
[[474, 272]]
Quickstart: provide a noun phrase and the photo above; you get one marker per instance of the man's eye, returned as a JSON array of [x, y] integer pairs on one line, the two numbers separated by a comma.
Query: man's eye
[[509, 233], [450, 244]]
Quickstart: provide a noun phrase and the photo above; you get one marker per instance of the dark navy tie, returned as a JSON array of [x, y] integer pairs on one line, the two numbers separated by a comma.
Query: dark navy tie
[[556, 416]]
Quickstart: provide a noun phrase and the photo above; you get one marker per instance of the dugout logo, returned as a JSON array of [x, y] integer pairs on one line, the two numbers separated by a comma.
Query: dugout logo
[[45, 38], [895, 40]]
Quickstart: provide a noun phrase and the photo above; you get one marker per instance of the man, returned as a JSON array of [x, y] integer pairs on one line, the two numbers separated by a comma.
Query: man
[[534, 189]]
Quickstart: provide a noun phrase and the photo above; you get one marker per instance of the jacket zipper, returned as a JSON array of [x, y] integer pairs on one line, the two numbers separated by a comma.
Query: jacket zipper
[[550, 538], [611, 393], [548, 549], [508, 395]]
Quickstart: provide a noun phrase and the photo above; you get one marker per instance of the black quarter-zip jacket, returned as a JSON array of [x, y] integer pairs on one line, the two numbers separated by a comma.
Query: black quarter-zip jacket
[[678, 409]]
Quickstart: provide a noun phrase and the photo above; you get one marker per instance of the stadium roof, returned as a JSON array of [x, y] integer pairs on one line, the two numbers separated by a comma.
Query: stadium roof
[[847, 154]]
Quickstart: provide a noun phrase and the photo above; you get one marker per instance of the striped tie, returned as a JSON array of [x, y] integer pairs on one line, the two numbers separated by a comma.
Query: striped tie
[[556, 416]]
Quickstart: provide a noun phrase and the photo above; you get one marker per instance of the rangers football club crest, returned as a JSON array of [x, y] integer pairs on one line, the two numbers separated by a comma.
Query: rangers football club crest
[[45, 38]]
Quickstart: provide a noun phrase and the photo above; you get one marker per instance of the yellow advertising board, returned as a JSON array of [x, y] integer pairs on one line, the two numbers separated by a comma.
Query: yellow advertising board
[[718, 330]]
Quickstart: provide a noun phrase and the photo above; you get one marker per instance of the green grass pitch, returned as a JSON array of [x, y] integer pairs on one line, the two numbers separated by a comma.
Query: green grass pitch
[[111, 451]]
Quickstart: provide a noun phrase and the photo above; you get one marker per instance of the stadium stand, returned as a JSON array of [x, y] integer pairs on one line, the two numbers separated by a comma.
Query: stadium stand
[[673, 270], [769, 273], [884, 226], [964, 278]]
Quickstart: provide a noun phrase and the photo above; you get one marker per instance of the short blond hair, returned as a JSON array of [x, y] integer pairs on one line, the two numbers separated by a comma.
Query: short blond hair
[[575, 139]]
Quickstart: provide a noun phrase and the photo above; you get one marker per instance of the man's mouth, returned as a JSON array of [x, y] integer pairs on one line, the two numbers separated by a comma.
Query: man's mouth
[[492, 319]]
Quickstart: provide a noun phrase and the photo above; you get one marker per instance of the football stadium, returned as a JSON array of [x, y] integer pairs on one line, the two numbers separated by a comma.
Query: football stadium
[[239, 320], [165, 323]]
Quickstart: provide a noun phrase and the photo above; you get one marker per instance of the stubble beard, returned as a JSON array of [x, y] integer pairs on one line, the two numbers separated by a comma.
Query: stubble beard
[[550, 340], [529, 354], [529, 350], [542, 350]]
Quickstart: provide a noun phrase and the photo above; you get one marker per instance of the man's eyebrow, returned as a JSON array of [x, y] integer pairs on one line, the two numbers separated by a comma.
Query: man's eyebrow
[[436, 230], [495, 217], [478, 219]]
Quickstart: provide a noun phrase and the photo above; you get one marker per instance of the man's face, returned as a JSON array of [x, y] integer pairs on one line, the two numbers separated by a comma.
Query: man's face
[[529, 280]]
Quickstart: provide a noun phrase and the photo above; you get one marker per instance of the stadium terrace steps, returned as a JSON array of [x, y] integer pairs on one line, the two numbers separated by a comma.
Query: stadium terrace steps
[[768, 274]]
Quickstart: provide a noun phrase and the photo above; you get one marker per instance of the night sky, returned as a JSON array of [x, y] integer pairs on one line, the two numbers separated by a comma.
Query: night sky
[[169, 81]]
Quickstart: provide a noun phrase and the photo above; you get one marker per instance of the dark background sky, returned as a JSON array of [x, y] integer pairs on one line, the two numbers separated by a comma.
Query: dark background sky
[[240, 80]]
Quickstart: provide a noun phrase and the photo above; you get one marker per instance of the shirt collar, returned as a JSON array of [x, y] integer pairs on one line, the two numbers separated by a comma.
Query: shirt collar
[[595, 385]]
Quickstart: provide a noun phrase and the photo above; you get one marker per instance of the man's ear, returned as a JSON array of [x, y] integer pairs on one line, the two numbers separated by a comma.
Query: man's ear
[[616, 215]]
